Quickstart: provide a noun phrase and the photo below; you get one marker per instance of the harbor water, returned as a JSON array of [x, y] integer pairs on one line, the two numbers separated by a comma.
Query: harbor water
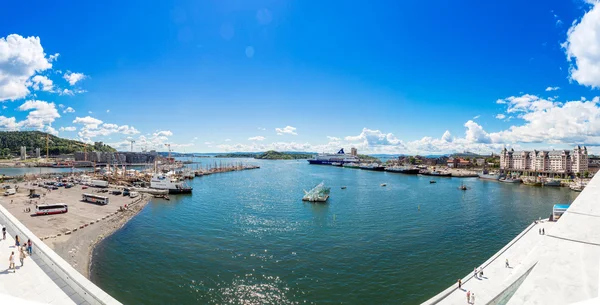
[[248, 238]]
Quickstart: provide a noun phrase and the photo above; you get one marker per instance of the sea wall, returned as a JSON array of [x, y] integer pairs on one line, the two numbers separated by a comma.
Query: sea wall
[[81, 285]]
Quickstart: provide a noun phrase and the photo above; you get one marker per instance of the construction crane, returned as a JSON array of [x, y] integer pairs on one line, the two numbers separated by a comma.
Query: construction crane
[[47, 139], [169, 147], [132, 141]]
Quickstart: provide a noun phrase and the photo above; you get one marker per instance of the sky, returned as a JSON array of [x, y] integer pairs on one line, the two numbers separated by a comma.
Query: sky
[[398, 77]]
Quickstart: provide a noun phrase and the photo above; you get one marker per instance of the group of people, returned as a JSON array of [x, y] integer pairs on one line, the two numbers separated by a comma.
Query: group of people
[[470, 297], [26, 249], [478, 271], [541, 231]]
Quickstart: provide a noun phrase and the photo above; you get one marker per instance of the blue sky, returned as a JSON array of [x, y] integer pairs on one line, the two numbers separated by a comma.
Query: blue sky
[[384, 76]]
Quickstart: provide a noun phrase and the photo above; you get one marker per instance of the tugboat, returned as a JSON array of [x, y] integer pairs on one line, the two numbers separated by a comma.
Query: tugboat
[[372, 167]]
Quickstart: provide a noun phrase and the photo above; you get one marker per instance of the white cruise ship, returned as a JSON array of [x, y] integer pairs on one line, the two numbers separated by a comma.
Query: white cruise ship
[[339, 157]]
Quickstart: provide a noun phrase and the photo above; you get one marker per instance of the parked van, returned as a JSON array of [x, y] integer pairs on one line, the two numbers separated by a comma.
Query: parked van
[[9, 192]]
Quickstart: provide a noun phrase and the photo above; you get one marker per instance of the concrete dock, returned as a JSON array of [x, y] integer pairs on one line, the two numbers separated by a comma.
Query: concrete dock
[[560, 267]]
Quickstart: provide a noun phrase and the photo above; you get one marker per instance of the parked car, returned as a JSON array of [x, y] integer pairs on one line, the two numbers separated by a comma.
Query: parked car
[[126, 192], [68, 185], [10, 192], [34, 195], [116, 192], [84, 187]]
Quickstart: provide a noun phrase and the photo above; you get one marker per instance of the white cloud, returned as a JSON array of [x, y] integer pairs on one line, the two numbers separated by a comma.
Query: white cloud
[[9, 124], [166, 133], [20, 59], [500, 116], [552, 88], [69, 110], [42, 113], [227, 140], [527, 103], [476, 117], [582, 48], [286, 130], [475, 133], [447, 137], [335, 139], [262, 128], [87, 121], [4, 107], [68, 128], [371, 137], [107, 110], [208, 143], [90, 112], [50, 130], [42, 83], [257, 138], [73, 78]]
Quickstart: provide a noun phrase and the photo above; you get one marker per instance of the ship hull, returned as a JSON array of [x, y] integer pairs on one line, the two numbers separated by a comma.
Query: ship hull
[[404, 171], [180, 191], [377, 168], [489, 177]]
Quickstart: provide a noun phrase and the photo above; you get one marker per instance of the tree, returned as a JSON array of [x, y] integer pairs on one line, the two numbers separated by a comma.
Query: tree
[[411, 160], [586, 174], [578, 175]]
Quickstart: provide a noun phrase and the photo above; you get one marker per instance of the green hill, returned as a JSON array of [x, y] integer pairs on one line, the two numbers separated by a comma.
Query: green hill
[[275, 155], [11, 142]]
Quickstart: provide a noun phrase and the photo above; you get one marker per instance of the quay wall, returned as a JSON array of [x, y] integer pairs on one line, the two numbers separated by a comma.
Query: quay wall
[[81, 285], [442, 295]]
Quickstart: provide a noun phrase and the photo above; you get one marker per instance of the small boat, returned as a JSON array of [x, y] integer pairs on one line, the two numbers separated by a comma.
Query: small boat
[[485, 175], [462, 187], [435, 173], [343, 187], [336, 163], [510, 180], [383, 184], [552, 183], [372, 167], [532, 182], [432, 181], [350, 165]]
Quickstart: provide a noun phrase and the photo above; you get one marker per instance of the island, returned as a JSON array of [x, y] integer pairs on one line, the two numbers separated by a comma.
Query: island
[[268, 155]]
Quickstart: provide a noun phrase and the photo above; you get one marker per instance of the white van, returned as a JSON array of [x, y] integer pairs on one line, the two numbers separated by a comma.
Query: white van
[[9, 192]]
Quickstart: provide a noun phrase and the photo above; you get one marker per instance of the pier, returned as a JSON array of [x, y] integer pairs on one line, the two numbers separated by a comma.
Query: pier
[[45, 277], [560, 267]]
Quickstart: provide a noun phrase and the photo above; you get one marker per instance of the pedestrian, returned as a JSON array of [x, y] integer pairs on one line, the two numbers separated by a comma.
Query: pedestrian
[[29, 247], [506, 265], [481, 272], [469, 296], [543, 231], [11, 261], [475, 272], [17, 243], [22, 255], [3, 232], [459, 284], [473, 298], [539, 231]]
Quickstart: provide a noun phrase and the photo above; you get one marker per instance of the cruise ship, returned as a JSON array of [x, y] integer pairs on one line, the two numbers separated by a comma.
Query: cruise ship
[[340, 157]]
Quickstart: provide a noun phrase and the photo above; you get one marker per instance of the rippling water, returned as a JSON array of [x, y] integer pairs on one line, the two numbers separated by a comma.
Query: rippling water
[[247, 238]]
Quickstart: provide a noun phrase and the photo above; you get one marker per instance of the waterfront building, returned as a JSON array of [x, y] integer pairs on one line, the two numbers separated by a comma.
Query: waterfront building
[[480, 161], [556, 161], [353, 151], [37, 153]]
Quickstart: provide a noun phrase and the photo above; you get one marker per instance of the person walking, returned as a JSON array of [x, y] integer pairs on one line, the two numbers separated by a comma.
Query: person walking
[[469, 296], [481, 272], [22, 255], [30, 247], [473, 298], [17, 243], [543, 231], [3, 232], [506, 265], [459, 284], [11, 262], [539, 231], [475, 272]]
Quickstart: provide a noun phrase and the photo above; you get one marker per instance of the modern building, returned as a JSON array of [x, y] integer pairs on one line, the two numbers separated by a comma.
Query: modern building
[[556, 161], [23, 152], [353, 151], [120, 157], [37, 153]]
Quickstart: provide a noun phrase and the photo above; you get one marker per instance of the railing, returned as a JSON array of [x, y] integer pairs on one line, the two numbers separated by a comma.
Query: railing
[[81, 285]]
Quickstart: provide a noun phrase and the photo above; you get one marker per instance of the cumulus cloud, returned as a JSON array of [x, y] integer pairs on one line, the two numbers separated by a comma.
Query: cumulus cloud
[[69, 110], [334, 139], [500, 116], [166, 133], [257, 138], [582, 48], [88, 121], [20, 59], [42, 113], [476, 117], [552, 88], [40, 82], [68, 128], [286, 130], [74, 78], [374, 138], [447, 137], [262, 128]]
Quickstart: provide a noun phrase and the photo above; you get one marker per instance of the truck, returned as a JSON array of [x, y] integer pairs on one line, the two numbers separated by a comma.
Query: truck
[[99, 183]]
